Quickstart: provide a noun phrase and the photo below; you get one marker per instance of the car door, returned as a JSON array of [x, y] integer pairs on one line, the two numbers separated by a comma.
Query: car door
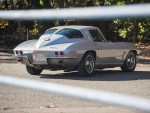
[[107, 52]]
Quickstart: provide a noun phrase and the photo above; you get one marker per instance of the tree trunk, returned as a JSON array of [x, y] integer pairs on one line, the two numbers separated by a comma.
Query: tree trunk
[[103, 24], [135, 38], [74, 2], [61, 5], [101, 2], [20, 30], [36, 4], [66, 5], [46, 4], [19, 6], [6, 4], [12, 4]]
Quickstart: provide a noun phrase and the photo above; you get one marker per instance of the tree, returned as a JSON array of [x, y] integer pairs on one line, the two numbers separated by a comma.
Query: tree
[[12, 4], [133, 30], [19, 6], [61, 5], [5, 4], [47, 4]]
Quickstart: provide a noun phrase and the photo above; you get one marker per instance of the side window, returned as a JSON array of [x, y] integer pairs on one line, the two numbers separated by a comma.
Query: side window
[[95, 34], [70, 33]]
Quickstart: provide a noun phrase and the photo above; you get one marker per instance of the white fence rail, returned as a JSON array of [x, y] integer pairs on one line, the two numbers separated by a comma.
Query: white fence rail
[[92, 13], [81, 93], [109, 12]]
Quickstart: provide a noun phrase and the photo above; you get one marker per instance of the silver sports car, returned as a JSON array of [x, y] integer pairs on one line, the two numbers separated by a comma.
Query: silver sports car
[[81, 48]]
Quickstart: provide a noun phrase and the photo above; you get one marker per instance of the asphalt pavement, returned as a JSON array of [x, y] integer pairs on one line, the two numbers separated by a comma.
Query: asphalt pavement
[[18, 100]]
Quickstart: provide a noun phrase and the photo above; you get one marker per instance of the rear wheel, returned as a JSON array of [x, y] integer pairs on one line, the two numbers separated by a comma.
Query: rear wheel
[[33, 71], [130, 62], [87, 65]]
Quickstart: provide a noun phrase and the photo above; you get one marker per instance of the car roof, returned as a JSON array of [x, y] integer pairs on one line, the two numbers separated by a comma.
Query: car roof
[[79, 27]]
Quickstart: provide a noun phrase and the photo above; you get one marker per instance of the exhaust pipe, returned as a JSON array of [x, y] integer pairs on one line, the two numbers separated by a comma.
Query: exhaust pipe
[[20, 60], [60, 62]]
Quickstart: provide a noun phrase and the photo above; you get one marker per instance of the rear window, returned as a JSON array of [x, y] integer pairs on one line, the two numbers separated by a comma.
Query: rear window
[[50, 31], [70, 33]]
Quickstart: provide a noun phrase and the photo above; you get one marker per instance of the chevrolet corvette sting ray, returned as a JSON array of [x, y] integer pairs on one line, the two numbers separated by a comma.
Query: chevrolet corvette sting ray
[[82, 48]]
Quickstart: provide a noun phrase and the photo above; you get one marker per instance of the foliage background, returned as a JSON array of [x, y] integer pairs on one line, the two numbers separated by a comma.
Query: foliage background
[[130, 30]]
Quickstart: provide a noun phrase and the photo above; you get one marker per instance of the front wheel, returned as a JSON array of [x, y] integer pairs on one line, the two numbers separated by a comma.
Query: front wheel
[[87, 65], [33, 71], [130, 62]]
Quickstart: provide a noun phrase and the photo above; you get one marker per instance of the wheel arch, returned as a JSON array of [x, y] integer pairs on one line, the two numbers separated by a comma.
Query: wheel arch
[[91, 51], [134, 51]]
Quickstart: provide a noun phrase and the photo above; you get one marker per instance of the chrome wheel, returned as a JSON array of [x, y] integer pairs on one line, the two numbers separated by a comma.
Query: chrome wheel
[[131, 61], [89, 64]]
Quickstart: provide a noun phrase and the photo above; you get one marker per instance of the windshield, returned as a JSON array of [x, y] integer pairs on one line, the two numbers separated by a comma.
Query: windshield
[[50, 31]]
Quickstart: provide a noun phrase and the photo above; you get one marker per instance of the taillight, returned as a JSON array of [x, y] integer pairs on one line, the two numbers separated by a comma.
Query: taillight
[[56, 53], [61, 53], [21, 52], [17, 52]]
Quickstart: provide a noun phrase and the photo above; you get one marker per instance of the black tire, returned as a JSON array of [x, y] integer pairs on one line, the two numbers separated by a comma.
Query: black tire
[[130, 62], [33, 71], [87, 65]]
